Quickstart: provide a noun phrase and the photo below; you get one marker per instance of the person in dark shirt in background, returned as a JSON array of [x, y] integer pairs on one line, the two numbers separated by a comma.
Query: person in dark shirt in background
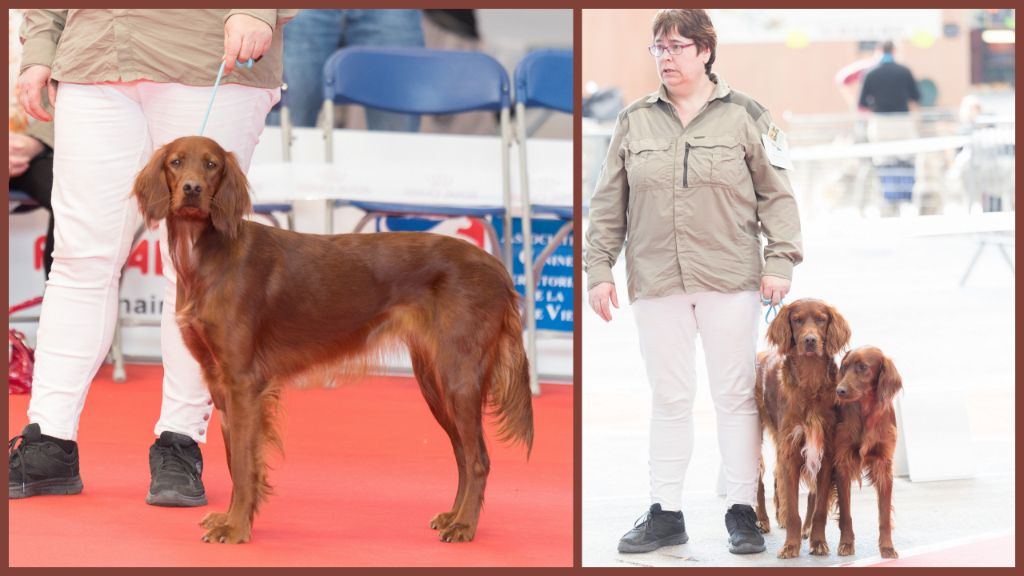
[[888, 87]]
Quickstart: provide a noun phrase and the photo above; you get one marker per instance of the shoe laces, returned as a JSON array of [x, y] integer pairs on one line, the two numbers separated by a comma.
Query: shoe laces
[[744, 518], [17, 449], [644, 521], [174, 458]]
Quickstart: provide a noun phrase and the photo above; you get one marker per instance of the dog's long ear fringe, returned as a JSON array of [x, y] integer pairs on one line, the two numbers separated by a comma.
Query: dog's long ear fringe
[[889, 382], [231, 203], [837, 337], [151, 191], [779, 332]]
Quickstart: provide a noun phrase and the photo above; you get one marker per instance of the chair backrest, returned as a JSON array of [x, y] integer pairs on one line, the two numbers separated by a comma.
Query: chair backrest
[[416, 80], [544, 79]]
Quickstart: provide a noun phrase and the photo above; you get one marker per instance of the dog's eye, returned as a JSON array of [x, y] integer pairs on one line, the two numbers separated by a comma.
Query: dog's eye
[[176, 162], [819, 320], [210, 165]]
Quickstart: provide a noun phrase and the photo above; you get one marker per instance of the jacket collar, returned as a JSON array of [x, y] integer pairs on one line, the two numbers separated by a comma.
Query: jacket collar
[[721, 90]]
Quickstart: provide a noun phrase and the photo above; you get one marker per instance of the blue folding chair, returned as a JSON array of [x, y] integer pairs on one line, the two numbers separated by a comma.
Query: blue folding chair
[[544, 79], [421, 81]]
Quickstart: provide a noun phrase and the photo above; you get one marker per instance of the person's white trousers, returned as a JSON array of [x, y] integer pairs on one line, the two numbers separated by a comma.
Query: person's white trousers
[[668, 328], [104, 134]]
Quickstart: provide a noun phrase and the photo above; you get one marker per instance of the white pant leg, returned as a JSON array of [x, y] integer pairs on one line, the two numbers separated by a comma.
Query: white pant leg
[[235, 122], [99, 142], [668, 331], [728, 331]]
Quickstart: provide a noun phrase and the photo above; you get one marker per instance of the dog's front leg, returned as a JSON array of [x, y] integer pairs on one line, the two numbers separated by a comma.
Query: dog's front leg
[[817, 508], [881, 471], [846, 537], [789, 488], [242, 440]]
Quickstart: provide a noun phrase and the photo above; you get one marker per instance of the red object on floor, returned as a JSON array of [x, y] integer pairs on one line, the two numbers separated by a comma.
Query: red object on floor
[[986, 553], [365, 468]]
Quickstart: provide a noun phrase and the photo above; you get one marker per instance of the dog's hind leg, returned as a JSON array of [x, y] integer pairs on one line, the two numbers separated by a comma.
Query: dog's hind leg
[[423, 368], [465, 407]]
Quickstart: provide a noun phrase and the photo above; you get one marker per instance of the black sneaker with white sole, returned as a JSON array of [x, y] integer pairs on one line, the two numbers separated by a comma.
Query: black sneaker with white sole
[[744, 536], [653, 530], [38, 464], [176, 469]]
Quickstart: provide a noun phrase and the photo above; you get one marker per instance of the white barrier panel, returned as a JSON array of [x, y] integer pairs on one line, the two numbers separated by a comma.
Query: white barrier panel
[[393, 167]]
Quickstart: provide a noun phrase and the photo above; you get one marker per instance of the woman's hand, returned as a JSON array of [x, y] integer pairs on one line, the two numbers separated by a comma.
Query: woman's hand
[[245, 37], [774, 288], [30, 91], [600, 297]]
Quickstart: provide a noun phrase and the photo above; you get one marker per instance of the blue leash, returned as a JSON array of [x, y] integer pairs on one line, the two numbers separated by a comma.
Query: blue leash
[[214, 94], [771, 309]]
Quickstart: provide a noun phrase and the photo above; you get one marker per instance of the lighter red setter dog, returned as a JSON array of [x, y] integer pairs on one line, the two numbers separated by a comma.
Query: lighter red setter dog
[[260, 307], [865, 439], [795, 393]]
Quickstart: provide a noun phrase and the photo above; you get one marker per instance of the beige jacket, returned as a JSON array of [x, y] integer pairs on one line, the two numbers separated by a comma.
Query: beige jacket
[[690, 204], [183, 46]]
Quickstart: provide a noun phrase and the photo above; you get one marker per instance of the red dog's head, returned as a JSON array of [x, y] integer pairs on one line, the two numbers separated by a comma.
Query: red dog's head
[[809, 327], [194, 178], [867, 371]]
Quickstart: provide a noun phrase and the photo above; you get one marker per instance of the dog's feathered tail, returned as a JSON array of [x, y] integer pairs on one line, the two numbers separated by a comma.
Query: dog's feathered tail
[[509, 395]]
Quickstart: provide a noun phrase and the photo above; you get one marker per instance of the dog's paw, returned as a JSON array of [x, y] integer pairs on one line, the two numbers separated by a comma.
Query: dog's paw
[[888, 552], [789, 551], [819, 548], [845, 549], [805, 533], [214, 519], [442, 520], [458, 532], [764, 526], [226, 534]]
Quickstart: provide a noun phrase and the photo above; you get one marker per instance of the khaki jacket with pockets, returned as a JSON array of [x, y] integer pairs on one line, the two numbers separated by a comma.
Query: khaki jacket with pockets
[[690, 204]]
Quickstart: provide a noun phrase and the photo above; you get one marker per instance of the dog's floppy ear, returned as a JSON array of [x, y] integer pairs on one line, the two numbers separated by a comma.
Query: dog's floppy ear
[[151, 189], [780, 334], [837, 337], [889, 382], [231, 202]]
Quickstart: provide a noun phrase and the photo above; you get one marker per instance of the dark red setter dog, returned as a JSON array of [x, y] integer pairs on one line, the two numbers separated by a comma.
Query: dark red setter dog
[[866, 438], [260, 307], [795, 393]]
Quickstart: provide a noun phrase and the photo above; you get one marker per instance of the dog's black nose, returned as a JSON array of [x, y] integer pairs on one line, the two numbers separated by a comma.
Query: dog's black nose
[[841, 392], [192, 188]]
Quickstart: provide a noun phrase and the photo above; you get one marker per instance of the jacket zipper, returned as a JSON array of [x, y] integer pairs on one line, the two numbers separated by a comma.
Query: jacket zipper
[[686, 166]]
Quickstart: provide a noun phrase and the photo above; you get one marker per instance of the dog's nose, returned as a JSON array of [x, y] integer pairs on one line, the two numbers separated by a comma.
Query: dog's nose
[[841, 392], [192, 188], [810, 340]]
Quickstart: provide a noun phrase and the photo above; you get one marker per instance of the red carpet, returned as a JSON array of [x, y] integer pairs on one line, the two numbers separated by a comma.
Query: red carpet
[[365, 468], [995, 552]]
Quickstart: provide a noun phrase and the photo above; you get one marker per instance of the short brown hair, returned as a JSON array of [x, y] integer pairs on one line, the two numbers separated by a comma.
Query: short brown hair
[[690, 23]]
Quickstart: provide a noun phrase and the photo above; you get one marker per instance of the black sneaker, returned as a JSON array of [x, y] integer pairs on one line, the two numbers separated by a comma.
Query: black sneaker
[[654, 530], [41, 464], [744, 537], [176, 468]]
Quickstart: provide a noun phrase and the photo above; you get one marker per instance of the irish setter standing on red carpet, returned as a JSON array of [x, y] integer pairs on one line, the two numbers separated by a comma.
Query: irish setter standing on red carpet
[[795, 393], [259, 307], [866, 439]]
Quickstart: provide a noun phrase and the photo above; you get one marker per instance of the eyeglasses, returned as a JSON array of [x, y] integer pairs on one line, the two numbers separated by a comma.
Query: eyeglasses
[[657, 50]]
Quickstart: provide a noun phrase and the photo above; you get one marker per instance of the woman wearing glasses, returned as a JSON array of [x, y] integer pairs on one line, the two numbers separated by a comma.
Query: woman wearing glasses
[[695, 174]]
